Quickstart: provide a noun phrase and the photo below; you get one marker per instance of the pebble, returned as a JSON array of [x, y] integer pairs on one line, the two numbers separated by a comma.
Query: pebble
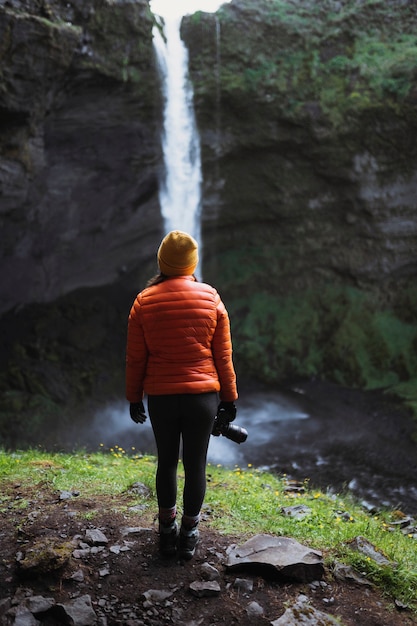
[[254, 610]]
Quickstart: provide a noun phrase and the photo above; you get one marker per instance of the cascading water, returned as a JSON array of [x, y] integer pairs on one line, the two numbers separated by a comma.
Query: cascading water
[[180, 186], [181, 182]]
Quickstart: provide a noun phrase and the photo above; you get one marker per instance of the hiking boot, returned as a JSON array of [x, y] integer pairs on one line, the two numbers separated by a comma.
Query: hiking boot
[[168, 536], [188, 541]]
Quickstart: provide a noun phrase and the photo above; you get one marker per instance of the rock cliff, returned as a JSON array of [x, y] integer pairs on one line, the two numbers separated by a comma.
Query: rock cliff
[[80, 116], [307, 114], [79, 147]]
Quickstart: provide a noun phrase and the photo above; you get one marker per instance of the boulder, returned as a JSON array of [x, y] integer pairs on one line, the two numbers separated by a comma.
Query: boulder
[[280, 557], [80, 611]]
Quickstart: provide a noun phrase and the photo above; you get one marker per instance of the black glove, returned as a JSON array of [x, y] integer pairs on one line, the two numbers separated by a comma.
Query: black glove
[[227, 411], [137, 412]]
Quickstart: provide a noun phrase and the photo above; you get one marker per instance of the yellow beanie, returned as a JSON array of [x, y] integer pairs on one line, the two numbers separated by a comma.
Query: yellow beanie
[[178, 254]]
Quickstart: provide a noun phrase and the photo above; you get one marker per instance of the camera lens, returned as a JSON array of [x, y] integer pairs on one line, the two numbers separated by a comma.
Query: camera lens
[[235, 433]]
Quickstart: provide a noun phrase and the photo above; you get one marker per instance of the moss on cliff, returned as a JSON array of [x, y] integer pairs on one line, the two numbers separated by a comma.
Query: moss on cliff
[[327, 59], [340, 334]]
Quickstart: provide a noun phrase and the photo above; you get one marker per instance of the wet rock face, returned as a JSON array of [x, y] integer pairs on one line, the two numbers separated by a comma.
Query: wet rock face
[[307, 117], [79, 149], [310, 170]]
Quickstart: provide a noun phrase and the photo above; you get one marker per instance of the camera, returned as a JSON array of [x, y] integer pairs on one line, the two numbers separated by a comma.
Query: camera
[[222, 426]]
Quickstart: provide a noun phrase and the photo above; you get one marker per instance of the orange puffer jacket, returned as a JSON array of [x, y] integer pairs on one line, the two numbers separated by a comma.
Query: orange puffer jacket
[[179, 342]]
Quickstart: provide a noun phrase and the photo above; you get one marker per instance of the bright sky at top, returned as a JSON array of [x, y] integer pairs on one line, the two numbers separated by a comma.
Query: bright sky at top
[[175, 8]]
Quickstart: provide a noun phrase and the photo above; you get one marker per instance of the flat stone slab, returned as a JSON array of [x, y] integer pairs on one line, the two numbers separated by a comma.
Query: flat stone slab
[[280, 557], [205, 589]]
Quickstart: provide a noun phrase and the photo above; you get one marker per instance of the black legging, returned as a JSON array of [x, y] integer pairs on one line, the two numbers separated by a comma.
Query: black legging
[[190, 417]]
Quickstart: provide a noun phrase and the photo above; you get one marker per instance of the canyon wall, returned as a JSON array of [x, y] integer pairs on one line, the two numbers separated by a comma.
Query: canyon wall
[[307, 115], [80, 112], [308, 118]]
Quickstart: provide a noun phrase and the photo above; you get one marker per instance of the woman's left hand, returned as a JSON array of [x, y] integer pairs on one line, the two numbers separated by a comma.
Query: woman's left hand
[[137, 412]]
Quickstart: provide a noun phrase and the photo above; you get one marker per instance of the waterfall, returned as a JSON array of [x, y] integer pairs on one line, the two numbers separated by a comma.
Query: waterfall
[[180, 184], [218, 69]]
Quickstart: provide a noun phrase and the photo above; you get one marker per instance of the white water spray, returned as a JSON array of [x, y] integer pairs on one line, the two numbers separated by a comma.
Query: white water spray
[[180, 185]]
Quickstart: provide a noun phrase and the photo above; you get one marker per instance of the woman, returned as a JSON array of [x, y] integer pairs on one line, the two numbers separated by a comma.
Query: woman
[[179, 353]]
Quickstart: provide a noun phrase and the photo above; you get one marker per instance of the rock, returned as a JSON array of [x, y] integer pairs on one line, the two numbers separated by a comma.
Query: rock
[[277, 556], [65, 495], [243, 584], [205, 589], [346, 572], [304, 614], [400, 605], [115, 549], [298, 512], [80, 611], [365, 547], [254, 610], [155, 596], [294, 486], [103, 572], [139, 489], [403, 523], [39, 604], [137, 508], [81, 553], [208, 572], [95, 537], [45, 556], [78, 576], [23, 617], [135, 530], [5, 604]]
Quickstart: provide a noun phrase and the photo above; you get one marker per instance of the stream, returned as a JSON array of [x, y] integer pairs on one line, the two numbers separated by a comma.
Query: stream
[[340, 439]]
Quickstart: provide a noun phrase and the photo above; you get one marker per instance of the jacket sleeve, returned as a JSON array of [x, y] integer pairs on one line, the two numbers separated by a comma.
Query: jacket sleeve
[[222, 355], [136, 355]]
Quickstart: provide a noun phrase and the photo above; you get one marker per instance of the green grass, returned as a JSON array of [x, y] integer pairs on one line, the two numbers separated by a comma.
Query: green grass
[[239, 501]]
